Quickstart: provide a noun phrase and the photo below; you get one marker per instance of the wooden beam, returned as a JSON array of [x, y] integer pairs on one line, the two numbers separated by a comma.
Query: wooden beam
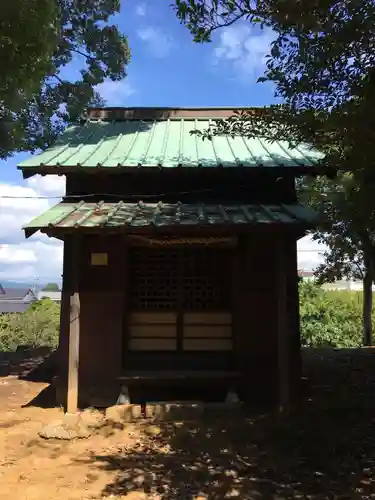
[[74, 327], [283, 337]]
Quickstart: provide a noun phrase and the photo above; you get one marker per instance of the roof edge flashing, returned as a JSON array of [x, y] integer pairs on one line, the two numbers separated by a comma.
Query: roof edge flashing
[[164, 113]]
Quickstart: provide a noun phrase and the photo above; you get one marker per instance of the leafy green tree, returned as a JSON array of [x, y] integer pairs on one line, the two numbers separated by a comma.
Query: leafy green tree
[[37, 98], [329, 318], [28, 40], [51, 287], [322, 63], [37, 326], [341, 231]]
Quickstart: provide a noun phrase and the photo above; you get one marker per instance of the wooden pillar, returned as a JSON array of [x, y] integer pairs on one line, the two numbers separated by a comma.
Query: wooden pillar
[[74, 332], [283, 337]]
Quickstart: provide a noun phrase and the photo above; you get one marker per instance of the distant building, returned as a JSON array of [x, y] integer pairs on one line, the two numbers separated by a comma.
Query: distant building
[[15, 300], [309, 275], [345, 284], [45, 294]]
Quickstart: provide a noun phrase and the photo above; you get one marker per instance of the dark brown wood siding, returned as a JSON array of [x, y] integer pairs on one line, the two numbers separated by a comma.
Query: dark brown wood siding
[[293, 315], [102, 310], [255, 318], [103, 314], [186, 185]]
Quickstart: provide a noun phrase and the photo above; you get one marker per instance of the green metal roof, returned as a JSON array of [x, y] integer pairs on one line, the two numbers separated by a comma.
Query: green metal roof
[[133, 216], [161, 143]]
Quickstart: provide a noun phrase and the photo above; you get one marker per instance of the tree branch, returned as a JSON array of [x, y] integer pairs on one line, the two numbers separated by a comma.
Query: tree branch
[[226, 24], [58, 78], [87, 56], [360, 271]]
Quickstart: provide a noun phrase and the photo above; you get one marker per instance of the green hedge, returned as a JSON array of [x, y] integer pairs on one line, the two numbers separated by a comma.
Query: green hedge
[[328, 319]]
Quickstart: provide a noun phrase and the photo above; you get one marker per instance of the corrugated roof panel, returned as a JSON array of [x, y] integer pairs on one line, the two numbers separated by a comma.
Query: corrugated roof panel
[[79, 153], [134, 215], [203, 148], [171, 154], [189, 153], [93, 145], [156, 148], [278, 153], [122, 143], [241, 151], [260, 154], [223, 152], [106, 146], [76, 140], [139, 141], [167, 143]]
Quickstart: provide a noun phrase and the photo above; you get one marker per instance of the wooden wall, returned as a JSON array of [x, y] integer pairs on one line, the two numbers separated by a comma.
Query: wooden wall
[[103, 299], [190, 185], [255, 316], [102, 305], [293, 315]]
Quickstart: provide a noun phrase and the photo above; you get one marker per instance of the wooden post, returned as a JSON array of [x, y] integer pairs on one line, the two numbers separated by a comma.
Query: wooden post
[[73, 363], [283, 337]]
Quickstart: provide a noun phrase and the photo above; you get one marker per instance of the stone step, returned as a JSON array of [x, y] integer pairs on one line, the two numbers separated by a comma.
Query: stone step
[[170, 411]]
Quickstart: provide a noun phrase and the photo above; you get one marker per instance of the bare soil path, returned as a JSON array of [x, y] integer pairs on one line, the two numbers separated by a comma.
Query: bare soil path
[[322, 449]]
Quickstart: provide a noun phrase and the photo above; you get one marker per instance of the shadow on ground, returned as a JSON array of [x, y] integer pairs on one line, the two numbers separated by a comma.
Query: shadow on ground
[[46, 398], [322, 449], [33, 364]]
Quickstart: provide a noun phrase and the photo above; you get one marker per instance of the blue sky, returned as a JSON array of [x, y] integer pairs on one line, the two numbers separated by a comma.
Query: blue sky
[[166, 69]]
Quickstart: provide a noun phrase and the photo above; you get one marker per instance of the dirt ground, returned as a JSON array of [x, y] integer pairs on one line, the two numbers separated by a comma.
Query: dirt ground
[[324, 448]]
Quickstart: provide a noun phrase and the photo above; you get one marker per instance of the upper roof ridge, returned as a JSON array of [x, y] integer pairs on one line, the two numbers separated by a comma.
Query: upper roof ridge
[[162, 113]]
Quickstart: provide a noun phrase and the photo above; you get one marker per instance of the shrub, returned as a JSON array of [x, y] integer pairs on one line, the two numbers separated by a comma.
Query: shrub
[[37, 326], [330, 318]]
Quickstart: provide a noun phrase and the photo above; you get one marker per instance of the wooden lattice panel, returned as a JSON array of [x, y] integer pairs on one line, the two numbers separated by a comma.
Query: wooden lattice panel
[[192, 278], [206, 278], [154, 279]]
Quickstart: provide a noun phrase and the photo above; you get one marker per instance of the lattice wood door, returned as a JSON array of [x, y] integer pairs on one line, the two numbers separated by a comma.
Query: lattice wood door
[[180, 299]]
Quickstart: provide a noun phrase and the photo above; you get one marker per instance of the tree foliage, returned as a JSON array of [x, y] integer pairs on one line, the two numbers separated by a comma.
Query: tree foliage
[[37, 326], [26, 59], [343, 230], [37, 96], [333, 199], [330, 318], [322, 63], [51, 287]]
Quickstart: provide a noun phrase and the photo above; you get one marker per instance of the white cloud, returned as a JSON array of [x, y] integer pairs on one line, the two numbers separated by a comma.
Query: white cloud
[[115, 93], [48, 185], [38, 257], [141, 10], [16, 255], [244, 48], [160, 44], [310, 253]]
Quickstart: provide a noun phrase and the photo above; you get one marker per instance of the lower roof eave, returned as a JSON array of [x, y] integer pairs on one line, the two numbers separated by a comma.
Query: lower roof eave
[[295, 171], [298, 230]]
